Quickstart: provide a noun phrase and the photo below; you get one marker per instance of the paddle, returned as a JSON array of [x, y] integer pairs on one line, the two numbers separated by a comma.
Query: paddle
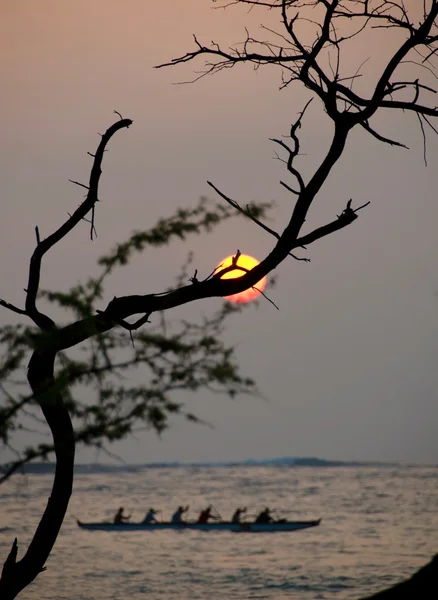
[[278, 517], [161, 518], [217, 512]]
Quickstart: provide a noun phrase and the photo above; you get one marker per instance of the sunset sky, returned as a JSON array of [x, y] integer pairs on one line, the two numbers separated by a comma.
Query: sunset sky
[[348, 365]]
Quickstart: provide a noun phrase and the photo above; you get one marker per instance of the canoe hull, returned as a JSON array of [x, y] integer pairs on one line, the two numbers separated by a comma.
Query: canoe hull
[[223, 526]]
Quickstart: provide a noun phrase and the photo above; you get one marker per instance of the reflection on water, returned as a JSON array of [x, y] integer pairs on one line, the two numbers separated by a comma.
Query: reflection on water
[[379, 525]]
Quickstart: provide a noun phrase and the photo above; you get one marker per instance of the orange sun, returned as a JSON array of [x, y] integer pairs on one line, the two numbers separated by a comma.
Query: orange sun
[[247, 262]]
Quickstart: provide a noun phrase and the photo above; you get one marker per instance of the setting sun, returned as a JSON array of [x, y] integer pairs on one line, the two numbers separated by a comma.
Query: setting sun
[[247, 262]]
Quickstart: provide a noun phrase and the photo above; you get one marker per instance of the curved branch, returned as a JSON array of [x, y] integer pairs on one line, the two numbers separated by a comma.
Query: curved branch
[[11, 307], [123, 307], [43, 321], [380, 137]]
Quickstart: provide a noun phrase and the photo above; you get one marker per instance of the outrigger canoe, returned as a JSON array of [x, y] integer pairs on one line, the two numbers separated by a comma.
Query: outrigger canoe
[[221, 526]]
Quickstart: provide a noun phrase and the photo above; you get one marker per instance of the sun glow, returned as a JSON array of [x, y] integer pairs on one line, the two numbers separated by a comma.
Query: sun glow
[[247, 262]]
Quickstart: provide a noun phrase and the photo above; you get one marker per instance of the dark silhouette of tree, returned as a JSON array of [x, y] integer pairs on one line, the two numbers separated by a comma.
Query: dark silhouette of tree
[[84, 399], [315, 61]]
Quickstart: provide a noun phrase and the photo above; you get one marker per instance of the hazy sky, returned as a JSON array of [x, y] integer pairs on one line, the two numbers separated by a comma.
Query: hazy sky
[[349, 363]]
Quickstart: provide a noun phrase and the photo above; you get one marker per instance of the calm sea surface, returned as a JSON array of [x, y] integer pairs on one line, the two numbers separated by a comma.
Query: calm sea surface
[[379, 525]]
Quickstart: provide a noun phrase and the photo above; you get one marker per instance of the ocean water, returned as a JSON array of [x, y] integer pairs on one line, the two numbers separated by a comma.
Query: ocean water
[[378, 526]]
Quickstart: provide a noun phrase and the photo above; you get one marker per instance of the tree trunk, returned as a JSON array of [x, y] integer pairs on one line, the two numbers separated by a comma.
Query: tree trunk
[[16, 575]]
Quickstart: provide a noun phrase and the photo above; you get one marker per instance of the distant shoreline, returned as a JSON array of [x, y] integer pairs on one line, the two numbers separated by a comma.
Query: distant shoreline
[[49, 467]]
